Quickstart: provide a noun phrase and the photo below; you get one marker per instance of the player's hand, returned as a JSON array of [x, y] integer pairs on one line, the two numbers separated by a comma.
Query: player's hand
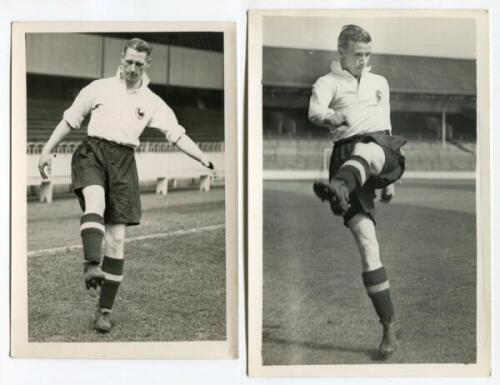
[[215, 172], [207, 164], [45, 165], [336, 119], [210, 165], [388, 192]]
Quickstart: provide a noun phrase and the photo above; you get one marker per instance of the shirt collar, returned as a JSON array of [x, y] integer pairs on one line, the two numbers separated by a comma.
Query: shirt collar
[[144, 83], [336, 68]]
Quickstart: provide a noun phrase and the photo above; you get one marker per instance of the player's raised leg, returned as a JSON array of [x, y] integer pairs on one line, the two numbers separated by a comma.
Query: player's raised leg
[[112, 266], [375, 280], [92, 233], [367, 160]]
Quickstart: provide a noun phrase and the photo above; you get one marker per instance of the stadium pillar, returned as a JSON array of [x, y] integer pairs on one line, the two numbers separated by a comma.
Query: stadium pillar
[[205, 183], [443, 127], [46, 191], [162, 186]]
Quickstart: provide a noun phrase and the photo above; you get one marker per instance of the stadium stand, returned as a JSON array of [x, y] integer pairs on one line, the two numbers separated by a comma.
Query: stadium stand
[[43, 116]]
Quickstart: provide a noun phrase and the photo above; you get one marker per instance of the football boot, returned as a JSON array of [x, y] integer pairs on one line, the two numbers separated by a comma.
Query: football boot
[[103, 320], [336, 193], [391, 333], [93, 275]]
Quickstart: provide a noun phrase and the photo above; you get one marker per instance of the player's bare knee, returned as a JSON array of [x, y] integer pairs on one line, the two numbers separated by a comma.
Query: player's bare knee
[[114, 239], [94, 199], [114, 246], [373, 154]]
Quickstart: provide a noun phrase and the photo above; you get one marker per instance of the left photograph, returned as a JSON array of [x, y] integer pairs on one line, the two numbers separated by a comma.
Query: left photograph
[[124, 201]]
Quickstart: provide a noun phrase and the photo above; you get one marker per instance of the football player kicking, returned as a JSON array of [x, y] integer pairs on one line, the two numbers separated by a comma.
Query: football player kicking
[[353, 104], [103, 168]]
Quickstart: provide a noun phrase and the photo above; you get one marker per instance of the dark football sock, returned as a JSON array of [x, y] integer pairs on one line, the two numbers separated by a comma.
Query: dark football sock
[[113, 269], [354, 172], [377, 287], [92, 232]]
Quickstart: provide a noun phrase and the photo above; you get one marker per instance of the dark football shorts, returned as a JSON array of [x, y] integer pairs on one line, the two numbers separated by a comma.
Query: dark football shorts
[[362, 200], [110, 165]]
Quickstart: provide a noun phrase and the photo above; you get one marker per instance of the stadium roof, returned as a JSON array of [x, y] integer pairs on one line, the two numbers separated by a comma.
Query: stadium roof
[[299, 68], [211, 41]]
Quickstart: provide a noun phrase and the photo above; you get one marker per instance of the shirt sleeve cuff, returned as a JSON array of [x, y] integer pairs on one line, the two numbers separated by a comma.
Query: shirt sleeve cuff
[[173, 135], [328, 114], [319, 117]]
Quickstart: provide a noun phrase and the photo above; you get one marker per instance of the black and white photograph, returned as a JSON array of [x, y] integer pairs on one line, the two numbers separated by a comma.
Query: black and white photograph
[[369, 193], [124, 148]]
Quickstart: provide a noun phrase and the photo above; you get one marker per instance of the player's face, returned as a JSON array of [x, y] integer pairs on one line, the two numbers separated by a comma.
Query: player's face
[[134, 63], [355, 57]]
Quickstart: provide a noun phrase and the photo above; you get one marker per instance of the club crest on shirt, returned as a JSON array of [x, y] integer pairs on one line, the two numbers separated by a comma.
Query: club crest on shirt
[[139, 112], [378, 95]]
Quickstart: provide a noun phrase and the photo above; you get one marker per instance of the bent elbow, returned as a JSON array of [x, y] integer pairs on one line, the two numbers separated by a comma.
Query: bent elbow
[[315, 118]]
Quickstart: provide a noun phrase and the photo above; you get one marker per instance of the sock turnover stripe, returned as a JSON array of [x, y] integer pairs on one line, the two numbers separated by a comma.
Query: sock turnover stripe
[[378, 288], [92, 225], [364, 163], [113, 277], [347, 172], [354, 166]]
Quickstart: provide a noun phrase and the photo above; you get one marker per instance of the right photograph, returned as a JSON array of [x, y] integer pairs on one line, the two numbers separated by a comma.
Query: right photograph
[[368, 169]]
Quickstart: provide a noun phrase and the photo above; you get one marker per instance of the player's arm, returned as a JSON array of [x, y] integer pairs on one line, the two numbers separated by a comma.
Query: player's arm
[[45, 160], [72, 119], [190, 148], [165, 120], [320, 113]]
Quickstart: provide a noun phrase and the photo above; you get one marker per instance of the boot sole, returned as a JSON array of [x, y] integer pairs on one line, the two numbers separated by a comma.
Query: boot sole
[[94, 282], [323, 191], [103, 330], [326, 192]]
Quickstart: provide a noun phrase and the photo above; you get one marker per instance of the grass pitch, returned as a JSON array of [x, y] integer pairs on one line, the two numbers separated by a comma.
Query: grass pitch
[[316, 310], [174, 287]]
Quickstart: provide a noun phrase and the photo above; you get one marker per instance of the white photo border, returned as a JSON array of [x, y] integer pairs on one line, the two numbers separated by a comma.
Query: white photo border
[[20, 346], [482, 367]]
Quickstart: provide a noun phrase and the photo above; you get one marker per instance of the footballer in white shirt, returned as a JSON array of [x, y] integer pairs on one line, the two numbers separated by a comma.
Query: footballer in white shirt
[[353, 104], [103, 169]]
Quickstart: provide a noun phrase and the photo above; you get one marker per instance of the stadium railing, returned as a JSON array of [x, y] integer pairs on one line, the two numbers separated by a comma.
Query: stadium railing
[[157, 161], [311, 157]]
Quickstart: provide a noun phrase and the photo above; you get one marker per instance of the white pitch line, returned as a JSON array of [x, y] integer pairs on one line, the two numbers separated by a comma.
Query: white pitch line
[[140, 238]]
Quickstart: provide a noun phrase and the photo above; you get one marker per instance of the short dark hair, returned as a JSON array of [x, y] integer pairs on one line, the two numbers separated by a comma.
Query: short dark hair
[[139, 45], [354, 33]]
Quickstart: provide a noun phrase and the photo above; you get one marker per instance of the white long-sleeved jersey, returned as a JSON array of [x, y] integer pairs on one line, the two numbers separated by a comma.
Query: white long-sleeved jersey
[[120, 115], [365, 103]]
